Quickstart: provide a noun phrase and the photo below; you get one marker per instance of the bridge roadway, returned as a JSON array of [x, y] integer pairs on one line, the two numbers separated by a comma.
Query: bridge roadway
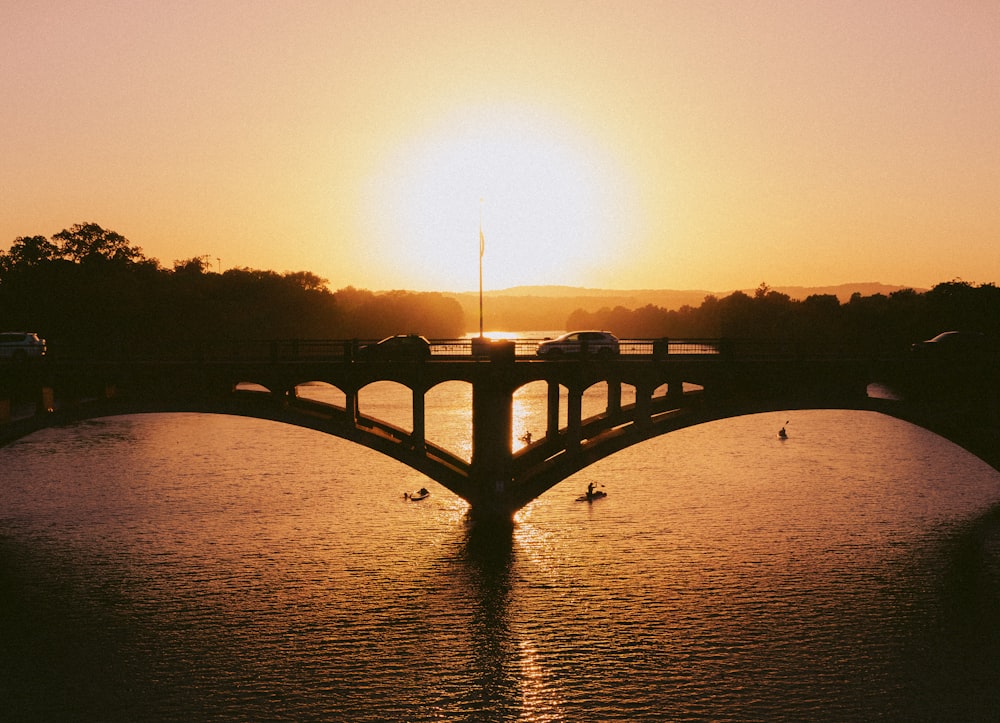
[[676, 386]]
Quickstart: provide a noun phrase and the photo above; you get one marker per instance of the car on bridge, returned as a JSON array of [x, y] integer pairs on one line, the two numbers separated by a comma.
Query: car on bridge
[[402, 347], [956, 346], [602, 344], [20, 345]]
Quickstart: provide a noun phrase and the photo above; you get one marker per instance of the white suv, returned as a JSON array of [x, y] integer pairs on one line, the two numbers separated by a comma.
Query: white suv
[[20, 345], [580, 343]]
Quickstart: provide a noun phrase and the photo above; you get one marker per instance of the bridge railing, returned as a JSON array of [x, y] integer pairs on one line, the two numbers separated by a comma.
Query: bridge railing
[[342, 350]]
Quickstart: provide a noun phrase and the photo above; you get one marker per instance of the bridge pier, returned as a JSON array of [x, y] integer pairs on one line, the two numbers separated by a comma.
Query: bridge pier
[[644, 403], [552, 411], [351, 405], [675, 389], [490, 471], [419, 423], [574, 417], [614, 398]]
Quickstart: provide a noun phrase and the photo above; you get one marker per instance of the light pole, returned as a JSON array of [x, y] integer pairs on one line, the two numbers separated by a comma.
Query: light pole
[[482, 247]]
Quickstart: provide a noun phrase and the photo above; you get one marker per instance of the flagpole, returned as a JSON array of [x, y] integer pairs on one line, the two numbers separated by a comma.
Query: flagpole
[[482, 243]]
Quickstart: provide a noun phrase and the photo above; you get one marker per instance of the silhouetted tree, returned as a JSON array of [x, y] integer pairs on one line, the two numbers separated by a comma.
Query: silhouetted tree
[[876, 324], [95, 292], [90, 289], [26, 252], [194, 265], [88, 242]]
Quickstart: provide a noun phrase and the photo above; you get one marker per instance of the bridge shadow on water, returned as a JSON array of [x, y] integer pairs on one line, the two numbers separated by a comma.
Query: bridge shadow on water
[[486, 560], [955, 659]]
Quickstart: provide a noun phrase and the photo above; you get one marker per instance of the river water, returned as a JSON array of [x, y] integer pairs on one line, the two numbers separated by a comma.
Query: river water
[[198, 567]]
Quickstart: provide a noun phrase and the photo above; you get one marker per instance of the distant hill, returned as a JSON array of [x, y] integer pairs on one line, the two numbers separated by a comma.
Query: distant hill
[[540, 308], [841, 291]]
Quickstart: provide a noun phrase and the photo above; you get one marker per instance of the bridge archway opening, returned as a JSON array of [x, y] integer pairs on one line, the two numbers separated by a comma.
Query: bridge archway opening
[[529, 413], [323, 392], [598, 399], [448, 415], [387, 401], [628, 393], [878, 390], [531, 407], [664, 390], [595, 399], [252, 387]]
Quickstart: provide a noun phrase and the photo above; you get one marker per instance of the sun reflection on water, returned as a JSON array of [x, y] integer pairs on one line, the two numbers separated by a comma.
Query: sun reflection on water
[[539, 701]]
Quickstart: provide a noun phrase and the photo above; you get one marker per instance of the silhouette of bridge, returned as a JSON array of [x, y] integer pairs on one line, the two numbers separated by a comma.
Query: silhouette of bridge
[[676, 383]]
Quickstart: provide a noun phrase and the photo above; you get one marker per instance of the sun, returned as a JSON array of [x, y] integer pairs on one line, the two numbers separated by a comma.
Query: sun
[[553, 205]]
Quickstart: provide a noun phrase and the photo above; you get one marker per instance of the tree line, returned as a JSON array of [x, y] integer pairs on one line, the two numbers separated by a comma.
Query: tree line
[[877, 323], [90, 288]]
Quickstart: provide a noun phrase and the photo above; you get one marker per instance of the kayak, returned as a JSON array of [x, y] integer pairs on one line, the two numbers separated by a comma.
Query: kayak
[[595, 495]]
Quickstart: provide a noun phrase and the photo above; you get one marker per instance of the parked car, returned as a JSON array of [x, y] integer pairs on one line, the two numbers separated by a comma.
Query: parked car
[[408, 347], [955, 346], [21, 345], [578, 343]]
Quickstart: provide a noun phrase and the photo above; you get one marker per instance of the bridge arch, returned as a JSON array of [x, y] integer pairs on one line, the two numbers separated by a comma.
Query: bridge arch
[[452, 472], [666, 395]]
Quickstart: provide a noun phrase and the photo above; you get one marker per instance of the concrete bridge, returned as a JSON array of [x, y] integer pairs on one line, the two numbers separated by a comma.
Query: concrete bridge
[[676, 384]]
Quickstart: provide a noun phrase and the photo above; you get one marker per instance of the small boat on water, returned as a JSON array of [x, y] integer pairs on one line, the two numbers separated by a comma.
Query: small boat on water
[[422, 494], [591, 494]]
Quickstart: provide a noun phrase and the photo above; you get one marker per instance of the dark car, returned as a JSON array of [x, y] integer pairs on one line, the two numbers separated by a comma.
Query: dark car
[[18, 345], [957, 347], [578, 343], [955, 344], [402, 347]]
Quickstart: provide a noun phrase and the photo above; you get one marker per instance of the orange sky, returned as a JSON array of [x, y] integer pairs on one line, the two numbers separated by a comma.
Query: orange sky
[[709, 145]]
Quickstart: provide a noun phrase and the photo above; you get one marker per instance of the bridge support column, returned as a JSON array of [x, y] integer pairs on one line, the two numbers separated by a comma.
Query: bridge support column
[[552, 412], [614, 398], [492, 446], [574, 417], [46, 401], [675, 389], [351, 405], [419, 424], [644, 403]]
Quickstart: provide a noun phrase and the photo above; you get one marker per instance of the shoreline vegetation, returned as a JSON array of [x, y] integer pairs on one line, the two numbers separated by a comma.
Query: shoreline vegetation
[[88, 285]]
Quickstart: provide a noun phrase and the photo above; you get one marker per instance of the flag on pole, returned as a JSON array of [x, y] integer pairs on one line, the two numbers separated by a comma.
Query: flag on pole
[[482, 243]]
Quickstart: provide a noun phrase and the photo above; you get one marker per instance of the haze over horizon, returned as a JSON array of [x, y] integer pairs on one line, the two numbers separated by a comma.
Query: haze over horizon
[[647, 145]]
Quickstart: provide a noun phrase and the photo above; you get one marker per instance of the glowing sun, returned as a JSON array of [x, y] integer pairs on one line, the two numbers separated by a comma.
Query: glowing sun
[[553, 204]]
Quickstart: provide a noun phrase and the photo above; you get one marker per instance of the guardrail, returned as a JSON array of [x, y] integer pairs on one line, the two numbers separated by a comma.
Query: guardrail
[[343, 350]]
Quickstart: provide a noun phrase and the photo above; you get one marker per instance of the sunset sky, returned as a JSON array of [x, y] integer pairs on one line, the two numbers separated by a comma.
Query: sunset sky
[[683, 144]]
